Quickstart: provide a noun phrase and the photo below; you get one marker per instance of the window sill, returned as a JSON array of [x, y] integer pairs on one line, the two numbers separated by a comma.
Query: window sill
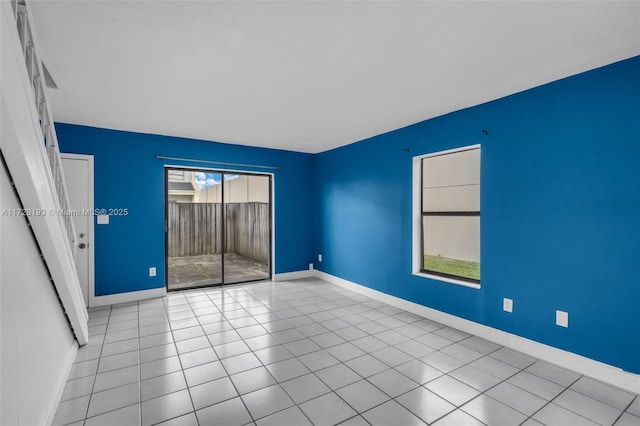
[[447, 280]]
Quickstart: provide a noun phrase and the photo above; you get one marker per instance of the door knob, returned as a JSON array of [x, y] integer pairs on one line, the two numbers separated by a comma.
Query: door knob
[[82, 245]]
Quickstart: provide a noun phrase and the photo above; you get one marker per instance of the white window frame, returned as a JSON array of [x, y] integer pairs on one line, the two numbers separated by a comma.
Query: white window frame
[[417, 219]]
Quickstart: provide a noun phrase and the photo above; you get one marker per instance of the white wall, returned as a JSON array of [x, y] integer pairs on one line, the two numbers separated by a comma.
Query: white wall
[[453, 237], [258, 189], [209, 195], [37, 346], [240, 190]]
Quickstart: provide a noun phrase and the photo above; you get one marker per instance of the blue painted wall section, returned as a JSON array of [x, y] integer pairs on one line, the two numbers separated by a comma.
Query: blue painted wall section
[[560, 203], [127, 175]]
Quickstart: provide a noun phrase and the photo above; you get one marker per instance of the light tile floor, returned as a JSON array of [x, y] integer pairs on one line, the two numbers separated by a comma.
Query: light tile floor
[[310, 353]]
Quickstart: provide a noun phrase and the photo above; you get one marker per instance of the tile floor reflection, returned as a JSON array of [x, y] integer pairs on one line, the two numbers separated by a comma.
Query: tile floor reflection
[[307, 352]]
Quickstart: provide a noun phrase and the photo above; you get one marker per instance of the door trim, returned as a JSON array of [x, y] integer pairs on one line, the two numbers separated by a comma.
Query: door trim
[[92, 301]]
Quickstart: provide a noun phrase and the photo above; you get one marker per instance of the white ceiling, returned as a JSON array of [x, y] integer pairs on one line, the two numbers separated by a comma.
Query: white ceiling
[[311, 75]]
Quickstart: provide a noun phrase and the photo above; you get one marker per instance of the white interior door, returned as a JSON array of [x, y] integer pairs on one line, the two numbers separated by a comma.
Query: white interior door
[[78, 172]]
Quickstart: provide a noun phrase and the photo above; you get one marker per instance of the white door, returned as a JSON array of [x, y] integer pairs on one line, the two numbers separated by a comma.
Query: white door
[[78, 173]]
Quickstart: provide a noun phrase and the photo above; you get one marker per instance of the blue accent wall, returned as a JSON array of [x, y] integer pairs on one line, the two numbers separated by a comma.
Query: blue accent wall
[[560, 205], [560, 201], [127, 175]]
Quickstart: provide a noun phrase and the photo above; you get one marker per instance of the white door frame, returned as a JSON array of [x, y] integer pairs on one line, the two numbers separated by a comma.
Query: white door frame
[[90, 241]]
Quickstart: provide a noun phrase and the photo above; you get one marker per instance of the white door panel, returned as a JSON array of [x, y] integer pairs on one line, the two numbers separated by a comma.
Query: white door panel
[[78, 171]]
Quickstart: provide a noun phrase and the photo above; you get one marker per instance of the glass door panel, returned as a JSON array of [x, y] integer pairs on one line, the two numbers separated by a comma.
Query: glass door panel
[[218, 228], [247, 223], [194, 229]]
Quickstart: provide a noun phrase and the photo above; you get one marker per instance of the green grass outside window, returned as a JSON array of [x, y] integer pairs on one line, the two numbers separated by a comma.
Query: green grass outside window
[[460, 268]]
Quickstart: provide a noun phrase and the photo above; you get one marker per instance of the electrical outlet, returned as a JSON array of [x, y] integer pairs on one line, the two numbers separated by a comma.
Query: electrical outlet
[[319, 258], [507, 305], [311, 266], [562, 318], [152, 271]]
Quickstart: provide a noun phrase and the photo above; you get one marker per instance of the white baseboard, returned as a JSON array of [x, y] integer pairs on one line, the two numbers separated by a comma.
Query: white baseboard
[[62, 382], [296, 275], [130, 296], [580, 364]]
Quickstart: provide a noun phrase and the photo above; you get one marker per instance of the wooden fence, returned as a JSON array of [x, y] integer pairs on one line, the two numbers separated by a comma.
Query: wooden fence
[[196, 229]]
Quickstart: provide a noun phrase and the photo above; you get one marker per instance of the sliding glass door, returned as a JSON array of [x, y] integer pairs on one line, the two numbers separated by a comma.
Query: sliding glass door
[[218, 227], [247, 222]]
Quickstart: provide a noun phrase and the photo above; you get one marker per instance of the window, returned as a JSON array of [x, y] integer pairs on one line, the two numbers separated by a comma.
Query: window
[[450, 215]]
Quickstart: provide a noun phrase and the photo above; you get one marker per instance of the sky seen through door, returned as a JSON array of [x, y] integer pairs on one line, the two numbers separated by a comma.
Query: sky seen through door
[[208, 179]]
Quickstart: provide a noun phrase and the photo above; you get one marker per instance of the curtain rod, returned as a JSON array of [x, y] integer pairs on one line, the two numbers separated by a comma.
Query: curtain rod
[[162, 157]]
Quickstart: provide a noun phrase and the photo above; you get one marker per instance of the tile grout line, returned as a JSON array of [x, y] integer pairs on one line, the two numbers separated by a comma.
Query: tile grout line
[[626, 410], [340, 362], [366, 379], [469, 362], [249, 299], [252, 352], [139, 402], [554, 398], [234, 328], [139, 372], [99, 362], [219, 359], [173, 340], [95, 377], [387, 345], [294, 357]]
